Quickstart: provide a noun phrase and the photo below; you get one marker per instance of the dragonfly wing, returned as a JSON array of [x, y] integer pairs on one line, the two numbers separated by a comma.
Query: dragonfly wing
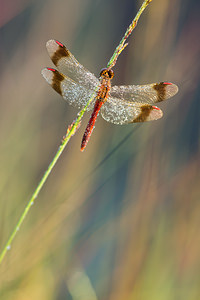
[[121, 112], [74, 93], [67, 64], [149, 93]]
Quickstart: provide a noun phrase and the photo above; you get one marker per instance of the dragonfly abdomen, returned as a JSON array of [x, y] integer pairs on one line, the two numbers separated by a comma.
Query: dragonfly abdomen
[[101, 98], [90, 126]]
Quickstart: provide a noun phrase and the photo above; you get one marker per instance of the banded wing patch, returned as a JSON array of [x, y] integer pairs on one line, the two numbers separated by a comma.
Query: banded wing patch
[[74, 93], [67, 64], [121, 112], [149, 93]]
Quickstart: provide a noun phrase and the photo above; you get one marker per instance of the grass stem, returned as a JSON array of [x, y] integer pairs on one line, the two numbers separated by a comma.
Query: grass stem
[[70, 132]]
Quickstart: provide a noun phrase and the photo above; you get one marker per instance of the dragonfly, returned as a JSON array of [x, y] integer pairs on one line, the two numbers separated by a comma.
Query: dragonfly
[[117, 104]]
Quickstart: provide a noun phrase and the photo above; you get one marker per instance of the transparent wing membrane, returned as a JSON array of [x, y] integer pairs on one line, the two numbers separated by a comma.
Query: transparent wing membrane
[[150, 93], [67, 64], [74, 93], [123, 112]]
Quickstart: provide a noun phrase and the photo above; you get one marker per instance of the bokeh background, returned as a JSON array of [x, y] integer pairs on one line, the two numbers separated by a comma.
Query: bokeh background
[[122, 219]]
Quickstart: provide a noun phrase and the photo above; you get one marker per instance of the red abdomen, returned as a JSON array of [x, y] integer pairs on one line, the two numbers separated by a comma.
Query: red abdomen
[[101, 98], [90, 126]]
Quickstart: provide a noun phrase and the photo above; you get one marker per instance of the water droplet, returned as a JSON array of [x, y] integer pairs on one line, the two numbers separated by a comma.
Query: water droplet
[[8, 247]]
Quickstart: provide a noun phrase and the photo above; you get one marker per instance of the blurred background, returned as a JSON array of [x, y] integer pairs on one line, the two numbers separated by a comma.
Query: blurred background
[[122, 219]]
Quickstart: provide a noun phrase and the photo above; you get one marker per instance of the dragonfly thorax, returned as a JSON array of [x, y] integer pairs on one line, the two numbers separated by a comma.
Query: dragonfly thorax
[[107, 73]]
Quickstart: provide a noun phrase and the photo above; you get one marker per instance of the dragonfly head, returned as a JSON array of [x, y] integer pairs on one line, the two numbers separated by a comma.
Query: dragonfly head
[[107, 73]]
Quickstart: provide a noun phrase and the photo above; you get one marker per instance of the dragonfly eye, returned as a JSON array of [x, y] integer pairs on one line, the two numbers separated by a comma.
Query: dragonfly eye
[[107, 72], [111, 74], [103, 71]]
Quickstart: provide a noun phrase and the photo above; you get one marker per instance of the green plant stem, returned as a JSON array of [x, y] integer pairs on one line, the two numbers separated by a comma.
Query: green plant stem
[[129, 30], [70, 132]]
